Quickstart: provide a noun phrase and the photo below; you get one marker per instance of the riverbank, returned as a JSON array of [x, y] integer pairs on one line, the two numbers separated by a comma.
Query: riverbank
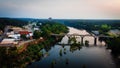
[[67, 56], [30, 51], [23, 45], [32, 54]]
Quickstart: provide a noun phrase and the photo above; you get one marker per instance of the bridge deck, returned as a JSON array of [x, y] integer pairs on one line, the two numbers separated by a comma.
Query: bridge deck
[[90, 45], [81, 35]]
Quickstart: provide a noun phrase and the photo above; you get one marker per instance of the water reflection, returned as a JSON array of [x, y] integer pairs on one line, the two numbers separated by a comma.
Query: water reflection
[[75, 47], [65, 39], [75, 56]]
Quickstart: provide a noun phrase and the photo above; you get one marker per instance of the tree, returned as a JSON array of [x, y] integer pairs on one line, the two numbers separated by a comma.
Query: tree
[[105, 27], [114, 45], [36, 34], [23, 37]]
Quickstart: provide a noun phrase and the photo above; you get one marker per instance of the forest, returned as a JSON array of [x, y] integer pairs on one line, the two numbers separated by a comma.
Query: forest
[[11, 21], [94, 24]]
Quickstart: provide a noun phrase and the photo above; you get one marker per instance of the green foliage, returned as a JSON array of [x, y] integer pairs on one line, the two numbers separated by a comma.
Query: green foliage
[[23, 37], [49, 28], [114, 45], [37, 34], [90, 25], [33, 51], [13, 22], [105, 27], [40, 54], [73, 39], [28, 59], [2, 51]]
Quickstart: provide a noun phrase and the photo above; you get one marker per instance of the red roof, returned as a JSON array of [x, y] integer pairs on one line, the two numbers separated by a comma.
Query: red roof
[[24, 32]]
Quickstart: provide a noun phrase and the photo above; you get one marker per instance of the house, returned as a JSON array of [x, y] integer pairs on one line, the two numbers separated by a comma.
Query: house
[[8, 42], [16, 29], [10, 33], [27, 33], [15, 36], [36, 28], [24, 32]]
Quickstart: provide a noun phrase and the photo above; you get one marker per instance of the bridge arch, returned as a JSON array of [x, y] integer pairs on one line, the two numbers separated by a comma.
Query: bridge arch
[[82, 36], [91, 39]]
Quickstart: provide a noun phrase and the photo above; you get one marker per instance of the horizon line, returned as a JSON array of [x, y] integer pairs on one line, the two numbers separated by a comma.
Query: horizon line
[[65, 18]]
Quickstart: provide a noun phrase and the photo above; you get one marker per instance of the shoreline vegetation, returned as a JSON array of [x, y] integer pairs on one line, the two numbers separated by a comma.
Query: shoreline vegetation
[[32, 49], [14, 57], [103, 27]]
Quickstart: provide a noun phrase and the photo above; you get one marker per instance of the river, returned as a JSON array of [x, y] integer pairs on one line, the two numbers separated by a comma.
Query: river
[[74, 57]]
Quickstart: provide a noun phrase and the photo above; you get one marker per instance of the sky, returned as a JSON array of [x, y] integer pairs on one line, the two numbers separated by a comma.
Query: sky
[[61, 9]]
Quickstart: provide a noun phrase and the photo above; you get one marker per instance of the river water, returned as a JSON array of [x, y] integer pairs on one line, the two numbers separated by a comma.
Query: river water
[[59, 56]]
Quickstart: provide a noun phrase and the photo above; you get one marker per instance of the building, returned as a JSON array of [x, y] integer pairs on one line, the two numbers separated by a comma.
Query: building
[[16, 29], [10, 33], [36, 28], [27, 33], [15, 36], [24, 32], [8, 42]]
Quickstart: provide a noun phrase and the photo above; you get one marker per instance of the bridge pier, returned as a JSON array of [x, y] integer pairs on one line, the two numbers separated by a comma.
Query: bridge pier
[[95, 40], [82, 40], [82, 36], [68, 36]]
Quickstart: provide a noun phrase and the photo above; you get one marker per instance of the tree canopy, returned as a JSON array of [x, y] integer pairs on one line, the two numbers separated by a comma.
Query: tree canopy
[[11, 21], [57, 28]]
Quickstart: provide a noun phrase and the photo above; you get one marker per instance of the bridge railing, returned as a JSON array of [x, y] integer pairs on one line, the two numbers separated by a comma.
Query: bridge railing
[[81, 35]]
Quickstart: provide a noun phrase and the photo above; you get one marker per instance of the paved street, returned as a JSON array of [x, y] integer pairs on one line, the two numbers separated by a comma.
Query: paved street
[[5, 31]]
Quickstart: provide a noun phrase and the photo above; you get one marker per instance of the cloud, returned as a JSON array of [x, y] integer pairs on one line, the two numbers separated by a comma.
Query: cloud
[[112, 8], [61, 8]]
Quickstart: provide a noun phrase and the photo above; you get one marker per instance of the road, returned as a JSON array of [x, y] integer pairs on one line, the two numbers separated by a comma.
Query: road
[[4, 34]]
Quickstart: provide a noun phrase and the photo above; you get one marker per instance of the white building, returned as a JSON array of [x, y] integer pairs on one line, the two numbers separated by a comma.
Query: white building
[[15, 36], [36, 28], [10, 33], [29, 35], [8, 41]]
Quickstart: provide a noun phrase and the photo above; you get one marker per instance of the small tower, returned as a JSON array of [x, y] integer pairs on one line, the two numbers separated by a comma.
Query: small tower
[[50, 18]]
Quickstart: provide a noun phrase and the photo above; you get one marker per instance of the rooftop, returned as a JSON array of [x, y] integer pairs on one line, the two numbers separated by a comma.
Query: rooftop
[[8, 41]]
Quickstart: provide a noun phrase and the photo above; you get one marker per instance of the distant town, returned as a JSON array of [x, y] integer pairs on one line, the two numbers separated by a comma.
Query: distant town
[[15, 36]]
